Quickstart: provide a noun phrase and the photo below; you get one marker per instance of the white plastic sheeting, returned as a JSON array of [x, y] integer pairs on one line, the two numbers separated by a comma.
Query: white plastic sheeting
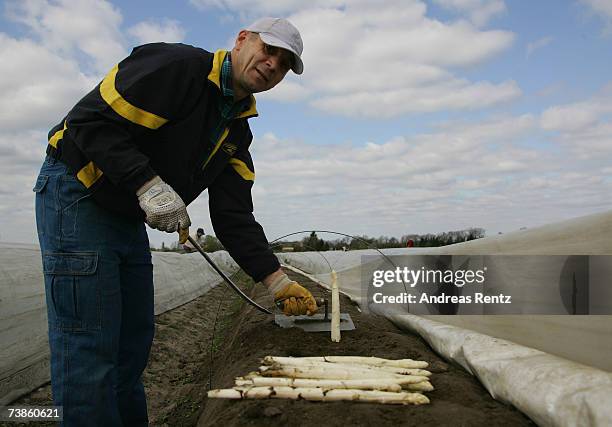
[[179, 278], [549, 389], [24, 352], [591, 336]]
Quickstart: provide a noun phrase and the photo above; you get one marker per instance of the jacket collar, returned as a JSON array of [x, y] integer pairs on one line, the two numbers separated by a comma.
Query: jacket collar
[[215, 77]]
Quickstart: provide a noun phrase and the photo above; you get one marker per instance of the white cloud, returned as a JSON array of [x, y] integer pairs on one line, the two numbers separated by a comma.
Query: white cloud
[[579, 116], [67, 48], [37, 86], [594, 143], [168, 30], [386, 62], [505, 129], [257, 8], [21, 155], [459, 175], [67, 27], [603, 8], [290, 89], [478, 12], [568, 118], [384, 59], [538, 44], [583, 128], [364, 59], [401, 35], [451, 95]]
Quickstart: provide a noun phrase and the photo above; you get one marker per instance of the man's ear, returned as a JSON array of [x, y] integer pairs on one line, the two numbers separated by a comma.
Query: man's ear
[[241, 39]]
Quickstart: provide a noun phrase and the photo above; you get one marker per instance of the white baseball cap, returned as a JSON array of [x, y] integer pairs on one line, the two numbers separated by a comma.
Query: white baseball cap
[[281, 33]]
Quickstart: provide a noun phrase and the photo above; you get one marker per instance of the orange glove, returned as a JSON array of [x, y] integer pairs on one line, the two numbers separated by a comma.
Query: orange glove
[[183, 235], [293, 298]]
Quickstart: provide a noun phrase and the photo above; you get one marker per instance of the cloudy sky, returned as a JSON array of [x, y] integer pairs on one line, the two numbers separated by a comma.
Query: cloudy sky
[[411, 116]]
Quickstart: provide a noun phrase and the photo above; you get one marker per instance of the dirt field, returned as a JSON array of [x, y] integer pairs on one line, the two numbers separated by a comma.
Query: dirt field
[[209, 341]]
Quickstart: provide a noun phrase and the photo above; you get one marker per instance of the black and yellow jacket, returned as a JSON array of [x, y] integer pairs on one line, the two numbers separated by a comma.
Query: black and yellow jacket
[[153, 114]]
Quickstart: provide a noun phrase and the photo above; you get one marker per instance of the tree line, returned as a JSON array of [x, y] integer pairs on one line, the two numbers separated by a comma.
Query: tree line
[[209, 244], [315, 243]]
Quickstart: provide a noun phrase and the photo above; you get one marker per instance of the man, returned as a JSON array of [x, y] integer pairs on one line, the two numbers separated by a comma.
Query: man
[[166, 123], [198, 237]]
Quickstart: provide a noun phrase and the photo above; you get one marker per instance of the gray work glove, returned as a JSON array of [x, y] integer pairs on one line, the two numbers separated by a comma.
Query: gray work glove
[[164, 209]]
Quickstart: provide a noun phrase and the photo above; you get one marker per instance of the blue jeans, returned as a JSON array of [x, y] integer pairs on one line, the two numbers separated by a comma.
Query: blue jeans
[[99, 290]]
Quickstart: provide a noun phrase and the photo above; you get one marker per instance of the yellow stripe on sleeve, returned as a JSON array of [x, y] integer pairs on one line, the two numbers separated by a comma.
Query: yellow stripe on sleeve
[[124, 108], [242, 169], [57, 136]]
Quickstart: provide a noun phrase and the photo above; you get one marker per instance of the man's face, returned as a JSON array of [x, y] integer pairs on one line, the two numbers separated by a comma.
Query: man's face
[[256, 66]]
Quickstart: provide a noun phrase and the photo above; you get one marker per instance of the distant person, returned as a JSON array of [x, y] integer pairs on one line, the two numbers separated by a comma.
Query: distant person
[[198, 236], [166, 123]]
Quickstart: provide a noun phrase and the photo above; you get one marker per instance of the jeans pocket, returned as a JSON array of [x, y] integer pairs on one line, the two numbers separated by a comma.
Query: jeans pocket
[[71, 193], [72, 290], [39, 188]]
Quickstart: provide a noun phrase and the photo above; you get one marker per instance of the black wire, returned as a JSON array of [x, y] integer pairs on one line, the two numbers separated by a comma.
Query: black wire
[[370, 246], [307, 247]]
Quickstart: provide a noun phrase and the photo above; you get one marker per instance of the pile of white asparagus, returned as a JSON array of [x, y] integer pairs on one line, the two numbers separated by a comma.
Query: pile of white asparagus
[[333, 378]]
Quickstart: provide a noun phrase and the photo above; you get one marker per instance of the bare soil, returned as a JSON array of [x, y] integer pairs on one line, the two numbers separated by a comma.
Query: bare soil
[[458, 398], [206, 343]]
